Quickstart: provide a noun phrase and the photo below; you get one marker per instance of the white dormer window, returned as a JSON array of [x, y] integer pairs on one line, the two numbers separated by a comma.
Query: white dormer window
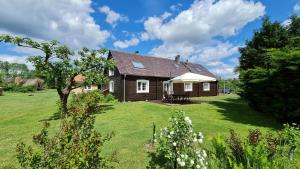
[[111, 73], [188, 87], [206, 86], [111, 86], [142, 86], [87, 87]]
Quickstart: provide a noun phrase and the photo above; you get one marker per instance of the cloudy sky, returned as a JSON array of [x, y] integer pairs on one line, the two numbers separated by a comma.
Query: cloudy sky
[[203, 31]]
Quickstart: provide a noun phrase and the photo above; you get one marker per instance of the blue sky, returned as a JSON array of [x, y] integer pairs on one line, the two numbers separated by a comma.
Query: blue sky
[[208, 32]]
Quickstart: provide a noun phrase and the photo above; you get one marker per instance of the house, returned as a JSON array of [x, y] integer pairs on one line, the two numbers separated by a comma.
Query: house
[[79, 79], [138, 77]]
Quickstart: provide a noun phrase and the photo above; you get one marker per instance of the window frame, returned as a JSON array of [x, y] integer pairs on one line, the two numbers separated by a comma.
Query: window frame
[[208, 87], [188, 90], [88, 87], [142, 81], [111, 86], [111, 72]]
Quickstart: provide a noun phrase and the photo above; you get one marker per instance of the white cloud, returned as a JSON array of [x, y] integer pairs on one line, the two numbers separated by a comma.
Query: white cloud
[[210, 56], [175, 7], [15, 59], [193, 31], [126, 43], [297, 7], [112, 17], [68, 21]]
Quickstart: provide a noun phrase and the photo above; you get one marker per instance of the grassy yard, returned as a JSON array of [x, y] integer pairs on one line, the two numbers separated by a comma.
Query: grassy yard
[[21, 116]]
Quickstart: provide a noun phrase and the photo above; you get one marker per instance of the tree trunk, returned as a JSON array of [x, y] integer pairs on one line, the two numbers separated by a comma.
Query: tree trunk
[[63, 96]]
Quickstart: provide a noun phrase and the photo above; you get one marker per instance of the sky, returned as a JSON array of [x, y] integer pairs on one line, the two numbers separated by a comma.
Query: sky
[[208, 32]]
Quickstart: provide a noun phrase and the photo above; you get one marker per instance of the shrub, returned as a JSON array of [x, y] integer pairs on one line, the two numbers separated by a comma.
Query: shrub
[[257, 151], [178, 146], [18, 88], [76, 145], [109, 98]]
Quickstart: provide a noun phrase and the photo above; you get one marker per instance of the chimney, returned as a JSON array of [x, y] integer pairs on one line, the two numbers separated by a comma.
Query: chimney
[[177, 59], [136, 52], [186, 61]]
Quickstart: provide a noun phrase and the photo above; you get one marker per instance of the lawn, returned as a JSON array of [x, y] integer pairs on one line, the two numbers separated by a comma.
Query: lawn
[[21, 116]]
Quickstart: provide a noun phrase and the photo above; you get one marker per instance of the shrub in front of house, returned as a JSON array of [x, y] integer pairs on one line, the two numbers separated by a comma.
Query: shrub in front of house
[[76, 145], [18, 88], [178, 146], [273, 151]]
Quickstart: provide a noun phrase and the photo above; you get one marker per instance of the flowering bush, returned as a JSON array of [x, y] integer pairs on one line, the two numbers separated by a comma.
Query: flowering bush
[[179, 146]]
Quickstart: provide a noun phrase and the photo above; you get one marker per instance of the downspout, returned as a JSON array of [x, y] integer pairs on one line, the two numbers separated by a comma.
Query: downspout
[[124, 88]]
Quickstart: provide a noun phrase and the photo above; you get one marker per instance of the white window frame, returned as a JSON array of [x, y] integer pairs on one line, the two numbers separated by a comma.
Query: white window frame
[[206, 88], [111, 86], [88, 87], [111, 72], [188, 89], [142, 91]]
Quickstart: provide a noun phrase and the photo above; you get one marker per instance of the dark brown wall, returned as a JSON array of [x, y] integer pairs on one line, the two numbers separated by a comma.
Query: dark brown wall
[[178, 88], [155, 88]]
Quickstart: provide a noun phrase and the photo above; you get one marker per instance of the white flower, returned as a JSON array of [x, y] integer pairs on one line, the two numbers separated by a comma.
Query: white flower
[[192, 162], [174, 144], [182, 163], [200, 141], [195, 139], [172, 132], [182, 156], [204, 153], [178, 159], [169, 136], [185, 156], [154, 140], [188, 120], [197, 166]]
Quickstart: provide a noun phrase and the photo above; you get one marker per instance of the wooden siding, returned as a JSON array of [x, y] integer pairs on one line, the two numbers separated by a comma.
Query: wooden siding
[[155, 88]]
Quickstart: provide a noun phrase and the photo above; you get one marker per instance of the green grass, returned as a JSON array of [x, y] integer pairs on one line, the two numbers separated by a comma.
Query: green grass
[[21, 116]]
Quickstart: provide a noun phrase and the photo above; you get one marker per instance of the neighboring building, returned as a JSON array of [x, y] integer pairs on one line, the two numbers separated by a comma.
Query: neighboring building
[[80, 80], [139, 77]]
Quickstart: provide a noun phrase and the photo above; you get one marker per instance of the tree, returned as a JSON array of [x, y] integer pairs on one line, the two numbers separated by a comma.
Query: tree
[[59, 67], [12, 70], [76, 145], [269, 70]]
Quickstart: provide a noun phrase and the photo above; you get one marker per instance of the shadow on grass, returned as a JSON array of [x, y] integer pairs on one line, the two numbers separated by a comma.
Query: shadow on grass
[[237, 110], [102, 109]]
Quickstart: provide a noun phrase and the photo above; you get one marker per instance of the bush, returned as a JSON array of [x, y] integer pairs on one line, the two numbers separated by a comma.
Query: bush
[[109, 98], [17, 88], [257, 151], [178, 146], [76, 145]]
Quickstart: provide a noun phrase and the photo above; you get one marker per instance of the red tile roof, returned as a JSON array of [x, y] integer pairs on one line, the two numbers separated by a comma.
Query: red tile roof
[[154, 66]]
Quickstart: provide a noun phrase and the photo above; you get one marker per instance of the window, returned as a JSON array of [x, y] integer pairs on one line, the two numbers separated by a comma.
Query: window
[[138, 65], [111, 86], [111, 73], [87, 87], [206, 86], [142, 86], [188, 87]]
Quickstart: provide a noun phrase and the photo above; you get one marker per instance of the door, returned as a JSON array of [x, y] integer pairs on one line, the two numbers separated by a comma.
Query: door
[[167, 87]]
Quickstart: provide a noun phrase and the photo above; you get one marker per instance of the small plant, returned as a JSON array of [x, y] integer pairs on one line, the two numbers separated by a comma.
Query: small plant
[[178, 146], [76, 145], [257, 151]]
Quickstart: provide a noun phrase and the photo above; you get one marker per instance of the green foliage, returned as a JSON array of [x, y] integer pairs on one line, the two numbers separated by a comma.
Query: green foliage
[[257, 151], [269, 70], [178, 146], [12, 70], [76, 145], [18, 88], [109, 98], [232, 84]]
